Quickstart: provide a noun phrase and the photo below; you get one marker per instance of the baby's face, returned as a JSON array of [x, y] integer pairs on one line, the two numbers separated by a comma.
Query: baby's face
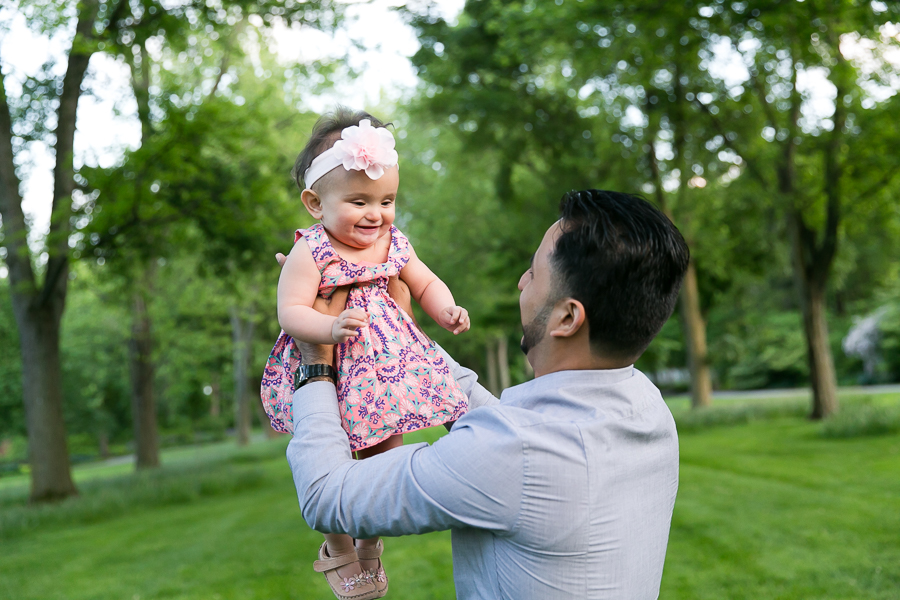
[[357, 210]]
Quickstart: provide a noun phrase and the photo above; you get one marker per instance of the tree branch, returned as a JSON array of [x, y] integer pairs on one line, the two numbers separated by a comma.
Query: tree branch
[[64, 170], [720, 129], [18, 257]]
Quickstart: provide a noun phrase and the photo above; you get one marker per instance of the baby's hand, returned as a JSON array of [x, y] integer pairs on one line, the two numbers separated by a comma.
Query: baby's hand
[[346, 324], [454, 318]]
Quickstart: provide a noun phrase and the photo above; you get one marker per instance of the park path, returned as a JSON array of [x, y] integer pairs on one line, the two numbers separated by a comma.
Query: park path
[[801, 392]]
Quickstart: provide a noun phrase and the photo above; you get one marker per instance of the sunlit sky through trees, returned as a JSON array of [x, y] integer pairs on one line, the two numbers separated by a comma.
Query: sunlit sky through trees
[[107, 120], [107, 116]]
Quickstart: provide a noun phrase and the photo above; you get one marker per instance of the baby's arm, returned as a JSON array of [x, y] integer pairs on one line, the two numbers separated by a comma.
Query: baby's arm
[[433, 295], [297, 290]]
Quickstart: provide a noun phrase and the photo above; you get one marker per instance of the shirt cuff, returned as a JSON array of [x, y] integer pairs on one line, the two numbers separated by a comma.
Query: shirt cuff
[[313, 398]]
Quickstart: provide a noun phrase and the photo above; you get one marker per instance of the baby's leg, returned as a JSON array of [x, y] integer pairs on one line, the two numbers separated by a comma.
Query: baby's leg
[[395, 441], [338, 544]]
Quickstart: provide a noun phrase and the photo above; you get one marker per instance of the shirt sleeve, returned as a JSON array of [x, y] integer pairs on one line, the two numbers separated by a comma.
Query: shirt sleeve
[[468, 381], [471, 477]]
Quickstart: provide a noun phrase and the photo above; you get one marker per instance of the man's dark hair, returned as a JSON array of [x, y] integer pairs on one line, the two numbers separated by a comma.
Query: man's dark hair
[[624, 260], [325, 133]]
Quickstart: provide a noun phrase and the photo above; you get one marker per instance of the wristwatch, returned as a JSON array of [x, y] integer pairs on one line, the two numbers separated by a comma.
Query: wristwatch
[[307, 372]]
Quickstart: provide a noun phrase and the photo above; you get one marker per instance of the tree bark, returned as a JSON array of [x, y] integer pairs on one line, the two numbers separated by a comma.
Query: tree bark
[[694, 329], [821, 366], [143, 402], [503, 362], [810, 275], [493, 374], [242, 337], [215, 398], [48, 453], [812, 258], [693, 325]]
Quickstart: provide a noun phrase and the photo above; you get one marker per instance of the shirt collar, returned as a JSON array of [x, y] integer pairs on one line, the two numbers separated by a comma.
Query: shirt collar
[[578, 388]]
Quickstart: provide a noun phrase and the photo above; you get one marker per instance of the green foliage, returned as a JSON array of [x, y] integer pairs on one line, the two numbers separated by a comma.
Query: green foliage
[[94, 345], [889, 342]]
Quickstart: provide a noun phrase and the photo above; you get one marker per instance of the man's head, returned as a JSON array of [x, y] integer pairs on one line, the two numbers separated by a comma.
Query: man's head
[[602, 283]]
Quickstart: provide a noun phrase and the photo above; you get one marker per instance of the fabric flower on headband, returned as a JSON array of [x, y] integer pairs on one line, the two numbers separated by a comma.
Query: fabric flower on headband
[[366, 148]]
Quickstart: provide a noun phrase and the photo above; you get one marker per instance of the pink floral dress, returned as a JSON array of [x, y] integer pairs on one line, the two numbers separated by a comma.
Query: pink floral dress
[[391, 378]]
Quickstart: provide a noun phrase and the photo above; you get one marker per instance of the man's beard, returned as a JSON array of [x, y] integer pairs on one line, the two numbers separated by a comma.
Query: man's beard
[[534, 331]]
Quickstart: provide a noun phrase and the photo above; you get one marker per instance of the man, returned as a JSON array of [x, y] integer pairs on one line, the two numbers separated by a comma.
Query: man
[[563, 488]]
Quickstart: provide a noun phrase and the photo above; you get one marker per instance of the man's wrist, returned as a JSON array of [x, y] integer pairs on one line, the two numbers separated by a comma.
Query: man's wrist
[[314, 372]]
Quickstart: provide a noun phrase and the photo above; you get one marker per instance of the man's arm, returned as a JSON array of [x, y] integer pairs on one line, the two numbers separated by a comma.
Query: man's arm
[[472, 477], [468, 381]]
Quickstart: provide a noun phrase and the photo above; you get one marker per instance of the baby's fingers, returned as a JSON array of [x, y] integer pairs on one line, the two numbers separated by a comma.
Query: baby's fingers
[[464, 322], [351, 323], [357, 314], [344, 334]]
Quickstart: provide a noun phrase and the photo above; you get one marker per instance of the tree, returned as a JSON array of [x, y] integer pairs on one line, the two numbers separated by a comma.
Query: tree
[[39, 295], [39, 291], [213, 180], [556, 88], [813, 167]]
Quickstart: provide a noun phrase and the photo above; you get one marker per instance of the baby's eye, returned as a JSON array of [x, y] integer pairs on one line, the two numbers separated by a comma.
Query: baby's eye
[[387, 202], [357, 203]]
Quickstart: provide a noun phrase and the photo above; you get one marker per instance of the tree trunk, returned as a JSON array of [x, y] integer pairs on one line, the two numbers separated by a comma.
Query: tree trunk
[[215, 398], [810, 276], [821, 366], [694, 329], [693, 326], [143, 403], [103, 444], [503, 362], [48, 453], [493, 375], [241, 336]]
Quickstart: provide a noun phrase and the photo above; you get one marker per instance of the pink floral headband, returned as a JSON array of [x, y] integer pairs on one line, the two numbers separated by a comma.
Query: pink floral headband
[[363, 148]]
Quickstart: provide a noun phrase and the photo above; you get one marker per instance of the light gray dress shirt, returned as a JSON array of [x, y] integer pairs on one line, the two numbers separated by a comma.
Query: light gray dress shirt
[[564, 488]]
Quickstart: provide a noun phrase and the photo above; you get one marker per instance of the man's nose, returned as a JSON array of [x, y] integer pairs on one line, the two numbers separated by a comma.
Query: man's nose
[[521, 285]]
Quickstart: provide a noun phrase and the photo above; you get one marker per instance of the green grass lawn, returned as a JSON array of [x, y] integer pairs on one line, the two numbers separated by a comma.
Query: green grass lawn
[[767, 508]]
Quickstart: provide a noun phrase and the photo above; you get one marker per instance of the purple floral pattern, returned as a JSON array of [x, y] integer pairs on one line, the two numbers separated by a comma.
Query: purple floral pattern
[[391, 378]]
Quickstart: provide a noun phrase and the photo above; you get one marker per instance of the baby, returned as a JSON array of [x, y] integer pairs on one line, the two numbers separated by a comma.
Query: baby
[[391, 378]]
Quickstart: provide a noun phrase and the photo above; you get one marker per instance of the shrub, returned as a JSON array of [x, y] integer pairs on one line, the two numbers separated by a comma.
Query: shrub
[[726, 414], [863, 420]]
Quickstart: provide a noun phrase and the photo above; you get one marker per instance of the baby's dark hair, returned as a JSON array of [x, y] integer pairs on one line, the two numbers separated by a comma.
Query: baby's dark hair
[[325, 133]]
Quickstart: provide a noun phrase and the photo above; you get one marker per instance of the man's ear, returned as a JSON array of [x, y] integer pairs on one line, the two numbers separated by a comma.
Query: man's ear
[[312, 202], [568, 318]]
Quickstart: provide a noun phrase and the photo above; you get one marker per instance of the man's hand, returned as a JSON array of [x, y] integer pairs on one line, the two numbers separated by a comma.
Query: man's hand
[[315, 354], [454, 319], [347, 323]]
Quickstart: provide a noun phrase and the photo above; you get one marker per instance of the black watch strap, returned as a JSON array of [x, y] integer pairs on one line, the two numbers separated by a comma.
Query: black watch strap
[[307, 372]]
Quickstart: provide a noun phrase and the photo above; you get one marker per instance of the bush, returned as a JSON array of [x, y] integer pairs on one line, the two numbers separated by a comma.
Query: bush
[[863, 420], [740, 413]]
